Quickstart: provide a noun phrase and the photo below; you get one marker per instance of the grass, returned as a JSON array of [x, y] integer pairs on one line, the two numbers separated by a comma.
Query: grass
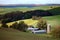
[[12, 34], [53, 20]]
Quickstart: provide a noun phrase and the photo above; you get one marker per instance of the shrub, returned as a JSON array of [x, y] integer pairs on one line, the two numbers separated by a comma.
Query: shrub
[[19, 26], [56, 32], [4, 25]]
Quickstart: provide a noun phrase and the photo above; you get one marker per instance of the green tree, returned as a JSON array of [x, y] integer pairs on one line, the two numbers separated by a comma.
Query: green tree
[[15, 25], [4, 25], [22, 26], [42, 24]]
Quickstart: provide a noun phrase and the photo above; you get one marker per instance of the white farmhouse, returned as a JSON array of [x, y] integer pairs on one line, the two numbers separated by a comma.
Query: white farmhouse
[[36, 31]]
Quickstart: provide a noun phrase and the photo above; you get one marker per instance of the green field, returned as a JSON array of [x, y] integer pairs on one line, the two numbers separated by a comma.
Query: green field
[[53, 20]]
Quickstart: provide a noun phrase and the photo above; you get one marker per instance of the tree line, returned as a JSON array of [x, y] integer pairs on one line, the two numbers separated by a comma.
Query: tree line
[[19, 15], [22, 26]]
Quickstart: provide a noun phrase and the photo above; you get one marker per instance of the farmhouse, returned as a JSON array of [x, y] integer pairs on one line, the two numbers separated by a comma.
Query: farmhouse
[[36, 31]]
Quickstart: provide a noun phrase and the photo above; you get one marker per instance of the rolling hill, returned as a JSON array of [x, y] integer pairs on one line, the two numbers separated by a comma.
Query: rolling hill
[[7, 9], [12, 34]]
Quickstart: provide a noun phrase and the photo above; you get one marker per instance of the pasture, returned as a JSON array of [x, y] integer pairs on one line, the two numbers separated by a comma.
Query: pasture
[[53, 20]]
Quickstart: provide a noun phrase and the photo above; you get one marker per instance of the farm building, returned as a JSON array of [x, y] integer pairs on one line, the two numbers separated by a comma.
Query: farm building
[[36, 31]]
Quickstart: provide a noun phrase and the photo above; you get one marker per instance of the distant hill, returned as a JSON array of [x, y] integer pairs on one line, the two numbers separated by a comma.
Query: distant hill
[[26, 5], [53, 4], [17, 5]]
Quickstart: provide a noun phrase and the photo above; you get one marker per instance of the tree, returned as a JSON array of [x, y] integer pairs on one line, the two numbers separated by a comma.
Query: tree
[[22, 26], [36, 17], [15, 25], [42, 24], [4, 25]]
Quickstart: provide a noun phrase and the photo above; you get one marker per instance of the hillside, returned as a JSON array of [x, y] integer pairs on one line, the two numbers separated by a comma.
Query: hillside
[[53, 20], [12, 34], [55, 11]]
